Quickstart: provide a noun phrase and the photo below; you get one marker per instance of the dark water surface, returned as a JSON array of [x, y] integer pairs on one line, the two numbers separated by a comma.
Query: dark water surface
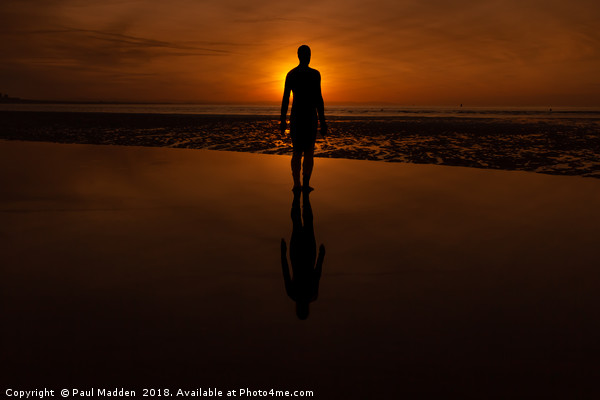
[[136, 267]]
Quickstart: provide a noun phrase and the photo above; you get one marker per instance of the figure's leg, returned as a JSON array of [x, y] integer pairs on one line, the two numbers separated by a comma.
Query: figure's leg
[[307, 166], [296, 164]]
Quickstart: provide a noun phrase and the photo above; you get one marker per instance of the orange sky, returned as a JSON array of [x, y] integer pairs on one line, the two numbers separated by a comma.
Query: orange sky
[[435, 52]]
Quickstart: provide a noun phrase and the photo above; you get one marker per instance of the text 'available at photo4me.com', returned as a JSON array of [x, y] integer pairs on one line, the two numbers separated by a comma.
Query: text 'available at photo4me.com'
[[20, 393]]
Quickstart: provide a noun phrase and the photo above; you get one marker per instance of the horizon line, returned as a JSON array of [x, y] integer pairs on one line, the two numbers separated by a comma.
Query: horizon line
[[17, 100]]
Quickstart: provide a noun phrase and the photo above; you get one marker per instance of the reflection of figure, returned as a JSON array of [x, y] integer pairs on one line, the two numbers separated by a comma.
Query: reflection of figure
[[303, 285], [305, 82]]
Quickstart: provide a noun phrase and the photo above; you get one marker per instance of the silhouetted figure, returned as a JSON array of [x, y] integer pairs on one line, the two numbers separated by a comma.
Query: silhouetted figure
[[303, 285], [308, 111]]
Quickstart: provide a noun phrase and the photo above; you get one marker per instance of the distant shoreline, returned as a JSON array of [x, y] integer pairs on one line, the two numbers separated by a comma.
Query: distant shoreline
[[16, 100], [373, 105], [331, 110]]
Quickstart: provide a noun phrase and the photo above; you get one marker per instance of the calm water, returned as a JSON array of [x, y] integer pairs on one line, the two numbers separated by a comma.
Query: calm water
[[333, 110]]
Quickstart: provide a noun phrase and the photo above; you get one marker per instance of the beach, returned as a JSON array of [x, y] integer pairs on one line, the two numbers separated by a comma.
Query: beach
[[155, 242], [559, 143], [150, 267]]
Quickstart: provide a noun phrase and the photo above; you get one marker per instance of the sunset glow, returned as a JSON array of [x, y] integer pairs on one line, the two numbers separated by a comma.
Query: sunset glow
[[405, 52]]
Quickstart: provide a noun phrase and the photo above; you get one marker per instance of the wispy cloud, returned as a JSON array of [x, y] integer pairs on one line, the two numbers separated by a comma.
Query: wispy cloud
[[119, 38], [386, 49], [261, 20]]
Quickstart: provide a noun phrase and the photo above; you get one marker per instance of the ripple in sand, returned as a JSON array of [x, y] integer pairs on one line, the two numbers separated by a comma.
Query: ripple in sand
[[562, 146]]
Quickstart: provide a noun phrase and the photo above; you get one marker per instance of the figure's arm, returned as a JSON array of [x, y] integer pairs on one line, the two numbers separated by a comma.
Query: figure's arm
[[320, 258], [318, 271], [285, 268], [321, 109], [284, 106]]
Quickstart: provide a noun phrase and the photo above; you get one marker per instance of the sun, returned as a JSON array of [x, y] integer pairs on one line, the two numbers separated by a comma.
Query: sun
[[278, 73], [280, 63]]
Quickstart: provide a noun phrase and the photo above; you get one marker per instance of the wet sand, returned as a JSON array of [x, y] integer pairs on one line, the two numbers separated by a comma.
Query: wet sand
[[550, 145], [157, 268]]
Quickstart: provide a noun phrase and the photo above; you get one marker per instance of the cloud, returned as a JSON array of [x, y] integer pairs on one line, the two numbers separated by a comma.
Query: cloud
[[388, 49]]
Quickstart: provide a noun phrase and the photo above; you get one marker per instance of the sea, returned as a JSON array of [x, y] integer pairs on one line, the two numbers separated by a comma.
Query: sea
[[331, 110]]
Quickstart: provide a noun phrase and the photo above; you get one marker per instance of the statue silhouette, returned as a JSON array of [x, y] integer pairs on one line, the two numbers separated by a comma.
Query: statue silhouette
[[307, 106], [303, 286]]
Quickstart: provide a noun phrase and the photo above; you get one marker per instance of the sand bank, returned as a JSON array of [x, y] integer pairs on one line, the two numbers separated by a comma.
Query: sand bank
[[152, 267], [560, 146]]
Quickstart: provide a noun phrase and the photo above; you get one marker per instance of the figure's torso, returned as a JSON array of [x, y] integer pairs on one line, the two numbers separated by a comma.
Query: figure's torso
[[304, 82]]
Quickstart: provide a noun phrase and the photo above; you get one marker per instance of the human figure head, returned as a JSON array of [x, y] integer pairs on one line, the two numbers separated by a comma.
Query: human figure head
[[302, 310], [304, 54]]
